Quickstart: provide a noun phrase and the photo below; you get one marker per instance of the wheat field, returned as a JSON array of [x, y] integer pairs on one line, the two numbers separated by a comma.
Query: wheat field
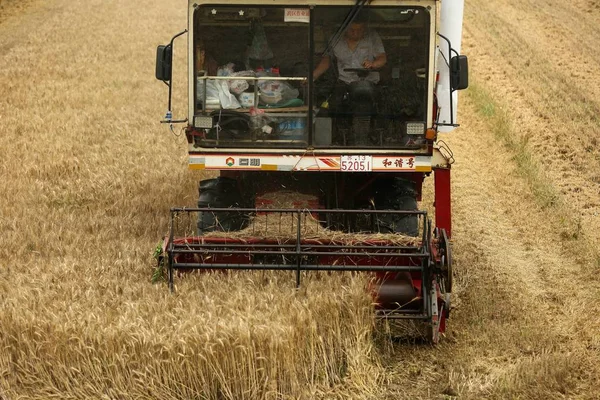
[[88, 177]]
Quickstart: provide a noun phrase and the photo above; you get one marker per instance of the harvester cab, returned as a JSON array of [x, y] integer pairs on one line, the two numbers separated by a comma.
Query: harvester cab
[[322, 120]]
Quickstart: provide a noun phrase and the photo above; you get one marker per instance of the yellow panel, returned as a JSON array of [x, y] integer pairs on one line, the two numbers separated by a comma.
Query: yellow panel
[[269, 167], [197, 166], [423, 169]]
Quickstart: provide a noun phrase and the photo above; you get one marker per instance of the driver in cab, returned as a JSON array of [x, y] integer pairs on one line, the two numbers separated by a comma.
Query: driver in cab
[[358, 48]]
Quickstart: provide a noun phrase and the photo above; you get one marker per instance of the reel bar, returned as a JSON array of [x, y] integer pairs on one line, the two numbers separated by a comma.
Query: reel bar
[[253, 252], [305, 211], [293, 267], [212, 246]]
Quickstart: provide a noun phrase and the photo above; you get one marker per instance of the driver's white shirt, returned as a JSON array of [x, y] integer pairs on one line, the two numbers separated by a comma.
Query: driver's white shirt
[[369, 47]]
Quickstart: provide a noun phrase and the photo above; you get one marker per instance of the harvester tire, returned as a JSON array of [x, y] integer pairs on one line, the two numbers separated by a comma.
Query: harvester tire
[[404, 224], [220, 193], [397, 194]]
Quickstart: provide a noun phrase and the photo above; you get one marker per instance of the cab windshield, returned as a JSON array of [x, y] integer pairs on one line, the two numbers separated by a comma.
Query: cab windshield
[[259, 70]]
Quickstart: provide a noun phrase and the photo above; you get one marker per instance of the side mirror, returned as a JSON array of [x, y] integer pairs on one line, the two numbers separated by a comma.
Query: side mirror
[[164, 61], [459, 72]]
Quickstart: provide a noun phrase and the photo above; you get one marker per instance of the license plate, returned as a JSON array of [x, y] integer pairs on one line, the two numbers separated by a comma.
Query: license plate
[[356, 163]]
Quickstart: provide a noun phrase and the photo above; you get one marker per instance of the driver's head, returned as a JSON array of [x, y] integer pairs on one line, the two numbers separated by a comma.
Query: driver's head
[[356, 30]]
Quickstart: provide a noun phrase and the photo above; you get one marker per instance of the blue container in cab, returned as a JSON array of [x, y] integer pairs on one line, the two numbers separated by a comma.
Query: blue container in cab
[[292, 128]]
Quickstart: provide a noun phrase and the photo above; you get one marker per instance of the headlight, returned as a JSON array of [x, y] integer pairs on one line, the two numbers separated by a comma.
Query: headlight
[[203, 122], [415, 128]]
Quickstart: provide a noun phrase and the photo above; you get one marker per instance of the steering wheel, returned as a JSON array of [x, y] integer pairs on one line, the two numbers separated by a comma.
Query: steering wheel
[[361, 72]]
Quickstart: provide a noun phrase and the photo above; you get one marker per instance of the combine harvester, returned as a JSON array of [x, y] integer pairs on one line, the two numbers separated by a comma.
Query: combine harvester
[[334, 106]]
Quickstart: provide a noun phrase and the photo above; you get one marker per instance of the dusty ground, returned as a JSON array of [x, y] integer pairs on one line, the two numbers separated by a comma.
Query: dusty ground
[[10, 8], [82, 152]]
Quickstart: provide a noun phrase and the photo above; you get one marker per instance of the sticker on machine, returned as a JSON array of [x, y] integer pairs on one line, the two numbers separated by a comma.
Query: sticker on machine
[[356, 163], [297, 15]]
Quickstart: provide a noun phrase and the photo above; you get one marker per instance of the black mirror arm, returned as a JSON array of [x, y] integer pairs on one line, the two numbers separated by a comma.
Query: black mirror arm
[[450, 50], [169, 115]]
